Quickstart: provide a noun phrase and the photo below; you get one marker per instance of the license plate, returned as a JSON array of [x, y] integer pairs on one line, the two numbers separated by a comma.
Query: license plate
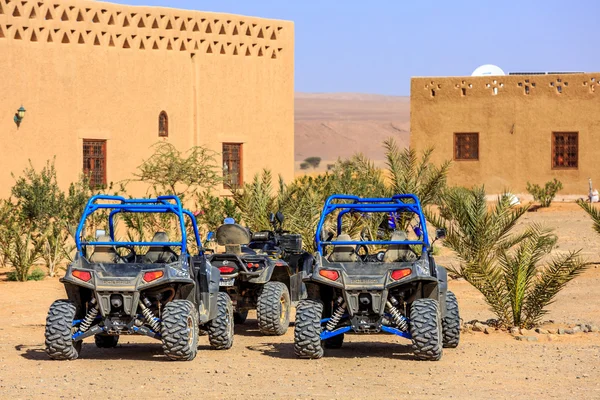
[[227, 282]]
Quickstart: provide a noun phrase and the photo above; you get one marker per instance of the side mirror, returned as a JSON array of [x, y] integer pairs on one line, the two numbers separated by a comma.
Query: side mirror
[[271, 218], [279, 217], [440, 233]]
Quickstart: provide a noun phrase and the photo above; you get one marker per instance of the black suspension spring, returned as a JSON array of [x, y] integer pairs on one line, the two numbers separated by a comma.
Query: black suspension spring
[[337, 315], [150, 317], [399, 319], [89, 317]]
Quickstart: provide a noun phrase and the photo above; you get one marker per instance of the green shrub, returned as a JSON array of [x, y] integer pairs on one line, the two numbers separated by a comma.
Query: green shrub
[[37, 274], [313, 161], [546, 194]]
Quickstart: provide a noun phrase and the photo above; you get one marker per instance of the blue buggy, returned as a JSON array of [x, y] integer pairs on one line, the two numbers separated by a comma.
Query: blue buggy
[[166, 293], [388, 283]]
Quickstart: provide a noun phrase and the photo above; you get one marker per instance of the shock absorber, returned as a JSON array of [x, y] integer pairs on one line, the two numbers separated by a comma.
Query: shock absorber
[[149, 315], [398, 318], [337, 315], [89, 317]]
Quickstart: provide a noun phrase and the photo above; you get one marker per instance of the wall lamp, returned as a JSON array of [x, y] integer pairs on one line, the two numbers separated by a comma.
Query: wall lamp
[[19, 116]]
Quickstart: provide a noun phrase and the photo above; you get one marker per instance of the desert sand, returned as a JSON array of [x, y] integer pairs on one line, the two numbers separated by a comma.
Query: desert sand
[[379, 366], [333, 125]]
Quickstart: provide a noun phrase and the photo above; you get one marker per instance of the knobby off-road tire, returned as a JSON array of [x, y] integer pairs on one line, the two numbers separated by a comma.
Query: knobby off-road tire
[[59, 331], [307, 329], [180, 330], [426, 329], [106, 341], [220, 329], [335, 342], [273, 309], [451, 322], [239, 317]]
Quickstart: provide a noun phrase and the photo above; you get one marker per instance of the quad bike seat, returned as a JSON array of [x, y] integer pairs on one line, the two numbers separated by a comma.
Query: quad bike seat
[[160, 254], [233, 237], [344, 253], [103, 253], [399, 252]]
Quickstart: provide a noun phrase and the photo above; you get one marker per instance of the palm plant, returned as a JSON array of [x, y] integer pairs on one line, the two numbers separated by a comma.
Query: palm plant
[[505, 267], [593, 212], [410, 174]]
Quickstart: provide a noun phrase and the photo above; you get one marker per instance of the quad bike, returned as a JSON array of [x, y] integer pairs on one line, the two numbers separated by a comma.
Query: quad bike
[[163, 294], [260, 271], [399, 290]]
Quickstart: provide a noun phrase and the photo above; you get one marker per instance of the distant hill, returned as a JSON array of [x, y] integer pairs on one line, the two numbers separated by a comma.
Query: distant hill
[[332, 125]]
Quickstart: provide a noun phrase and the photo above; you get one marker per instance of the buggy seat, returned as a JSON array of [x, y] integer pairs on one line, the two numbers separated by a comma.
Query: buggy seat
[[160, 254], [344, 253], [399, 252], [103, 253]]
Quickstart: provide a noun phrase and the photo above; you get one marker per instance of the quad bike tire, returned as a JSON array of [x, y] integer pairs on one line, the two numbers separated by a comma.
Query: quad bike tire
[[220, 329], [335, 342], [239, 317], [106, 341], [307, 329], [179, 330], [59, 331], [273, 309], [451, 322], [426, 330]]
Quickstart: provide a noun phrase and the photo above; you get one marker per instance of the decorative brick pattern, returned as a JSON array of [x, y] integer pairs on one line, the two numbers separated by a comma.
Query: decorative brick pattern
[[131, 28]]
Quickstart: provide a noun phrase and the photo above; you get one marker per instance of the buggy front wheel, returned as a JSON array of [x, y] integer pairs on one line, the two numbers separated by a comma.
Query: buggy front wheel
[[180, 330], [307, 329], [451, 322], [220, 329], [426, 329]]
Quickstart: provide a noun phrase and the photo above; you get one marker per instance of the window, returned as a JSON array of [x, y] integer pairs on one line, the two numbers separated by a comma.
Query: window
[[94, 162], [232, 165], [466, 146], [565, 150], [163, 124]]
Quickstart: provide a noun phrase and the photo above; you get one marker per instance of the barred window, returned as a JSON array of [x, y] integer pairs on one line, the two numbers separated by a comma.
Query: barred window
[[466, 146], [94, 162], [565, 150], [232, 165], [163, 124]]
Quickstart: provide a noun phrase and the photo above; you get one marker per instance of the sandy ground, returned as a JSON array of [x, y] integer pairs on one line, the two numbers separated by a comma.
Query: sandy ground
[[379, 366]]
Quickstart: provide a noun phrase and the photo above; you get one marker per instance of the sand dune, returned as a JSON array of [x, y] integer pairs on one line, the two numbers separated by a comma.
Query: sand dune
[[332, 125]]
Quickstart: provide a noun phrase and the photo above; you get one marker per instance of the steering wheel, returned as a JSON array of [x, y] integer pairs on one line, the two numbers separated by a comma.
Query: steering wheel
[[364, 247], [129, 257]]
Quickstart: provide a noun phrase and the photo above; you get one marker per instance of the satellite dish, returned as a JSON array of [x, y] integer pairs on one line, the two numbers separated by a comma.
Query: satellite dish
[[488, 70]]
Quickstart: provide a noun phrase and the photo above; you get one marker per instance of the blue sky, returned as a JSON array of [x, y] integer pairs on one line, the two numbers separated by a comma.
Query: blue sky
[[376, 46]]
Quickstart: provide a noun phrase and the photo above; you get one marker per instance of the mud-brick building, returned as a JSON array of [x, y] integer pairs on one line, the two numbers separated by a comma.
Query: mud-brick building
[[101, 83], [503, 131]]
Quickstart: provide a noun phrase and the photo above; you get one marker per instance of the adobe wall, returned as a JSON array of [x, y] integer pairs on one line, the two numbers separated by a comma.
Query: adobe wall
[[515, 116], [94, 70]]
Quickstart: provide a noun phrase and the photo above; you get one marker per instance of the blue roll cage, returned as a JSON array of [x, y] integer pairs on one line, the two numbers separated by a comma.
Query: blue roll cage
[[160, 204], [396, 203]]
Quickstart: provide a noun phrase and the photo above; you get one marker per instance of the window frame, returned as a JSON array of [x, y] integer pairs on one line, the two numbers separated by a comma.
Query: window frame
[[163, 133], [455, 148], [240, 183], [553, 149], [104, 157]]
